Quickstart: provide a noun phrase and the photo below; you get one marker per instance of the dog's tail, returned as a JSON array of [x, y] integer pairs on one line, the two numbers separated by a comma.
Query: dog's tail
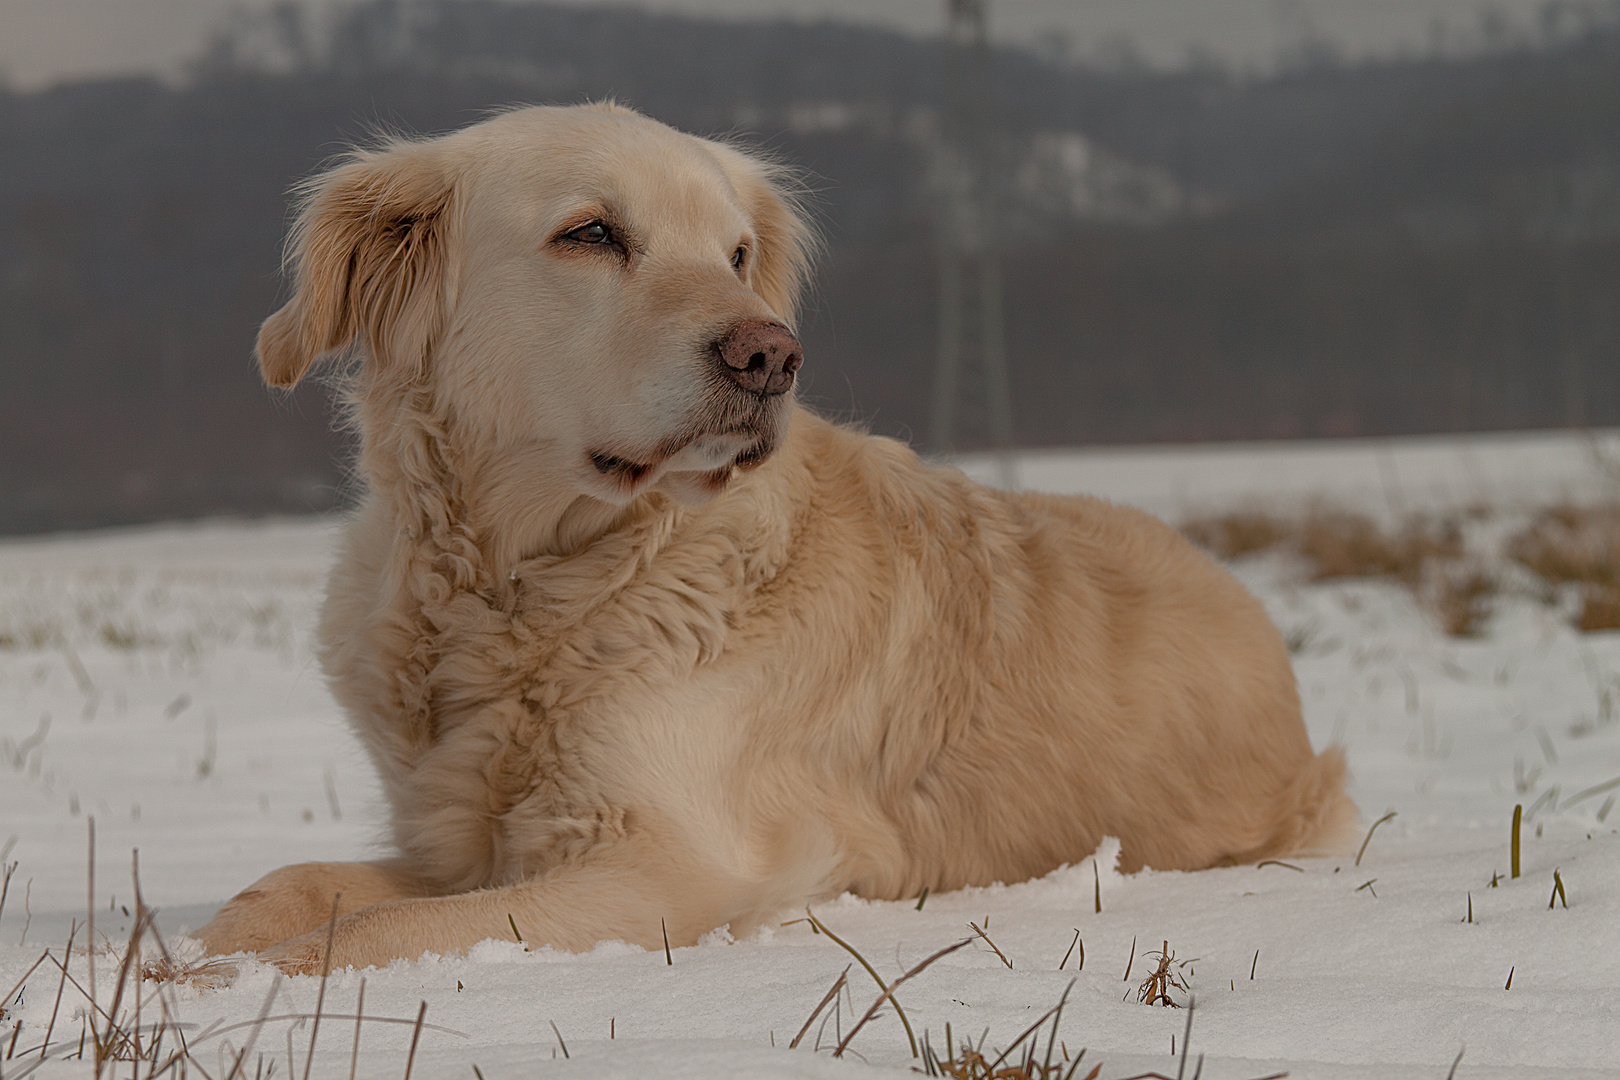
[[1313, 815]]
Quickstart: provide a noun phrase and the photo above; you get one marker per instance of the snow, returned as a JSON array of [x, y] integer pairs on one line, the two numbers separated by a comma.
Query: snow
[[187, 715]]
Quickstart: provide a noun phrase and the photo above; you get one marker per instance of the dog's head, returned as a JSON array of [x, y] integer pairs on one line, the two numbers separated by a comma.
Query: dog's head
[[596, 298]]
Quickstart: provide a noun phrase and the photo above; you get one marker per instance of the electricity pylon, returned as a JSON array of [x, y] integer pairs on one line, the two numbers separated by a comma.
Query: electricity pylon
[[971, 324]]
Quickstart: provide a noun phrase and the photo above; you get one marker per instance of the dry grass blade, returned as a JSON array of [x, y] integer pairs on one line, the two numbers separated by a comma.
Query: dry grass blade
[[1387, 817], [115, 1039], [253, 1036], [554, 1031], [90, 924], [837, 985], [975, 928], [1054, 1013], [226, 1029], [6, 870], [61, 984], [870, 970], [320, 998], [1072, 944], [888, 995], [416, 1034], [44, 956], [1595, 789], [1518, 822], [359, 1011], [968, 1062]]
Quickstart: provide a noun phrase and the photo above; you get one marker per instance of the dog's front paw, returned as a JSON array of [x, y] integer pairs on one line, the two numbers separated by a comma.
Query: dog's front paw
[[349, 944], [279, 906], [302, 955]]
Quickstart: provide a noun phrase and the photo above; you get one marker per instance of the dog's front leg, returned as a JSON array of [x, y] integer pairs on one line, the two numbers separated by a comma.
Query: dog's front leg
[[614, 898], [297, 899]]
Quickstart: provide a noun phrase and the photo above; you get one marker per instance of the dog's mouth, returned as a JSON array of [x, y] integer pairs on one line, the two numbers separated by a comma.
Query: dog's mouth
[[706, 458], [727, 432], [617, 468]]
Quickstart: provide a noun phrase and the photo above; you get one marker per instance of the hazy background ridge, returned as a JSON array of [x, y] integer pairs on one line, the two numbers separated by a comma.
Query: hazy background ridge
[[45, 41], [1335, 248]]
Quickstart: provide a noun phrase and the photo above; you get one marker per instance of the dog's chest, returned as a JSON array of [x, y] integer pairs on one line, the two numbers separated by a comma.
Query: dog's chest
[[530, 723]]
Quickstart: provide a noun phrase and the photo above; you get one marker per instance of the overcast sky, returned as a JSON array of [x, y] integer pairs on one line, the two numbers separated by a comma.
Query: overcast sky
[[44, 41]]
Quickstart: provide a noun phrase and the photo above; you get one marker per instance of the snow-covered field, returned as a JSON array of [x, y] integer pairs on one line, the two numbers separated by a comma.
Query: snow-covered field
[[161, 680]]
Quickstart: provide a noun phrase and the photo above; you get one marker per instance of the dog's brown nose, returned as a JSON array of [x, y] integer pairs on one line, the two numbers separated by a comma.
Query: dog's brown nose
[[760, 357]]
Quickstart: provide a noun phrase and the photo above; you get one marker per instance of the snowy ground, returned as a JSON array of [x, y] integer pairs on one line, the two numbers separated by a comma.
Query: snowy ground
[[161, 680]]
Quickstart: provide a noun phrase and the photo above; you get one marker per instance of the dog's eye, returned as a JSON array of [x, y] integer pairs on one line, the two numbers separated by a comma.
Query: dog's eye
[[594, 233], [739, 257]]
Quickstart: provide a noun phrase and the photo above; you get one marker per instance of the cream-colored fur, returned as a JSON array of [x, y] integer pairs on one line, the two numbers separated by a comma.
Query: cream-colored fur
[[774, 660]]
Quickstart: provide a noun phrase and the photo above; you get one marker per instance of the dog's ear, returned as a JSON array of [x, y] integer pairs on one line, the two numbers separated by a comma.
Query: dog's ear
[[367, 255], [772, 196]]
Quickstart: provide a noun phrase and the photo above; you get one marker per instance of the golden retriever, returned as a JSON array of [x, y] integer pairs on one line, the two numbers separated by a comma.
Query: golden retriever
[[637, 645]]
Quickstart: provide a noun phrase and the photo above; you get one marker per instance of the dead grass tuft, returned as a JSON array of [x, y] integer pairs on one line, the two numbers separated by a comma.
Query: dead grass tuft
[[141, 1025], [1580, 546], [1165, 978], [1569, 544], [1335, 543], [1341, 545], [1025, 1059], [1234, 535], [1426, 555], [1459, 594], [209, 973]]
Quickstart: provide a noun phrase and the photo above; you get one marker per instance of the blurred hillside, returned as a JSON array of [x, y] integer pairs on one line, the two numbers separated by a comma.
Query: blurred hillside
[[1423, 245]]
